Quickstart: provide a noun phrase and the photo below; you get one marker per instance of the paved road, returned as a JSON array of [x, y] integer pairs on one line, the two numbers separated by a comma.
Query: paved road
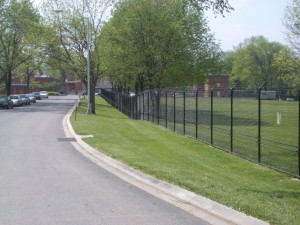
[[45, 181]]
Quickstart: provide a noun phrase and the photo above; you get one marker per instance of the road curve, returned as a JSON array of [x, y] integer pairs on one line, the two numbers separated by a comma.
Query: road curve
[[45, 181]]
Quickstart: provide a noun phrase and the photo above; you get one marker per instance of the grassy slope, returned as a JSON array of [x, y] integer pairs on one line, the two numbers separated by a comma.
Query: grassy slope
[[222, 177]]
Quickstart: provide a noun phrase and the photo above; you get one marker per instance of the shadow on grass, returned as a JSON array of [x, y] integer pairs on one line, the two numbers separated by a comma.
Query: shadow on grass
[[275, 194]]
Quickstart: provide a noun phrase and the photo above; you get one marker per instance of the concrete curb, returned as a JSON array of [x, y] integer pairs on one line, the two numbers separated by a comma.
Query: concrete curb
[[202, 207]]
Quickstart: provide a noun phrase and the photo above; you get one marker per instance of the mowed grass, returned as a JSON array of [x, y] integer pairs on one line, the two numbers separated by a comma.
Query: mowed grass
[[212, 173], [279, 127]]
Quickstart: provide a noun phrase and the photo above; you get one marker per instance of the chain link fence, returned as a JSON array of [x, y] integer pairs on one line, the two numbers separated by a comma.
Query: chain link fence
[[261, 126]]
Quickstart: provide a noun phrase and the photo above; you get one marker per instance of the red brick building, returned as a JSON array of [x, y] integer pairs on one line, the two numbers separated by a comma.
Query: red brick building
[[220, 83], [37, 83]]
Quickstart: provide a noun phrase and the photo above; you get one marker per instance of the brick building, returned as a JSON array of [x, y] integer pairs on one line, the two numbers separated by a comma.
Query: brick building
[[220, 83]]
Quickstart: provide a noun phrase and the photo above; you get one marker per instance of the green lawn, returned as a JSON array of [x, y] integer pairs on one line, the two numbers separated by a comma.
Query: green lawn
[[279, 141], [220, 176]]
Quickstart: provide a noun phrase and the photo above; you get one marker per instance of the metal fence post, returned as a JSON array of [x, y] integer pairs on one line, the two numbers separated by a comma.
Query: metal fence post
[[184, 112], [148, 106], [197, 115], [211, 115], [143, 106], [299, 135], [166, 109], [135, 107], [259, 124], [231, 118], [174, 110], [153, 106], [158, 107]]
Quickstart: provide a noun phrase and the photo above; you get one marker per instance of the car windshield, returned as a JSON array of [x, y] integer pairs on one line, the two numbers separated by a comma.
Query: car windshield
[[13, 97]]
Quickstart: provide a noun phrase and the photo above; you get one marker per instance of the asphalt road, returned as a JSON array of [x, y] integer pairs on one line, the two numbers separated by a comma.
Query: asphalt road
[[44, 180]]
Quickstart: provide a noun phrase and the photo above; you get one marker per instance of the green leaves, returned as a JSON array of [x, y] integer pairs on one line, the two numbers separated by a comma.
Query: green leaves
[[19, 25], [253, 63], [288, 64], [154, 44]]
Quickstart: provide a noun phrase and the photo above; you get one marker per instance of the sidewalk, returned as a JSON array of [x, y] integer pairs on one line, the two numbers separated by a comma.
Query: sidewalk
[[206, 209]]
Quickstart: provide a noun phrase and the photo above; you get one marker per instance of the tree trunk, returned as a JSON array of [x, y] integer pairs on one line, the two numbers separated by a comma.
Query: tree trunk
[[63, 77], [92, 93], [28, 75], [8, 82]]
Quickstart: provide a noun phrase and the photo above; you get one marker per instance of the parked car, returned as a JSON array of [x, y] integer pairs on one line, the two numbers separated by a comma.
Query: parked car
[[25, 99], [44, 94], [16, 100], [6, 102], [31, 97], [37, 95]]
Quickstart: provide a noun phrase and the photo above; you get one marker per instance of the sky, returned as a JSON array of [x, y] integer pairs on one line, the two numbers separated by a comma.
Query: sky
[[249, 18]]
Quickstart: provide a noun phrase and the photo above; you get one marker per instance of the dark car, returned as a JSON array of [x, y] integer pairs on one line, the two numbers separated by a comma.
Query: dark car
[[6, 102], [37, 95]]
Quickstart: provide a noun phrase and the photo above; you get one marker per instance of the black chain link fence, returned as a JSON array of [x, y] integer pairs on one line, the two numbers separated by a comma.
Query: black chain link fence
[[261, 126]]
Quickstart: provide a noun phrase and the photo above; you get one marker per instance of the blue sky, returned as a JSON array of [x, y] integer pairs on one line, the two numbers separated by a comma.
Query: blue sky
[[250, 18]]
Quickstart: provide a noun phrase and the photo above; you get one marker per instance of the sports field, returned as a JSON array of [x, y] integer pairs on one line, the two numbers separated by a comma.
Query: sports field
[[235, 127]]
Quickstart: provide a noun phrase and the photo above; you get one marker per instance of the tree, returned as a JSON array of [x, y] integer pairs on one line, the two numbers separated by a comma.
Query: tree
[[292, 23], [154, 44], [288, 64], [67, 45], [226, 62], [218, 6], [253, 63], [19, 23]]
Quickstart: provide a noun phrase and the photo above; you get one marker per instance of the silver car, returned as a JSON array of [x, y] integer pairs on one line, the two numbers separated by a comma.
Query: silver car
[[31, 97], [16, 100], [25, 99], [44, 94]]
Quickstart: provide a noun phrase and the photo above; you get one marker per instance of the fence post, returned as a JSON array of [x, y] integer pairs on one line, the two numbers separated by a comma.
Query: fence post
[[153, 106], [259, 123], [148, 106], [131, 107], [231, 118], [174, 110], [299, 135], [212, 115], [197, 115], [143, 106], [166, 109], [184, 112], [135, 107], [158, 107]]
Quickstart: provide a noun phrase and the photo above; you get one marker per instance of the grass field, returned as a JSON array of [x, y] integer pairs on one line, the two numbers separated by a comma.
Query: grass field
[[193, 165], [279, 127]]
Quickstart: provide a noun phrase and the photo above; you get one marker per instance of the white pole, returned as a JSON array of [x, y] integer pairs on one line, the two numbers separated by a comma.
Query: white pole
[[278, 118], [88, 66]]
